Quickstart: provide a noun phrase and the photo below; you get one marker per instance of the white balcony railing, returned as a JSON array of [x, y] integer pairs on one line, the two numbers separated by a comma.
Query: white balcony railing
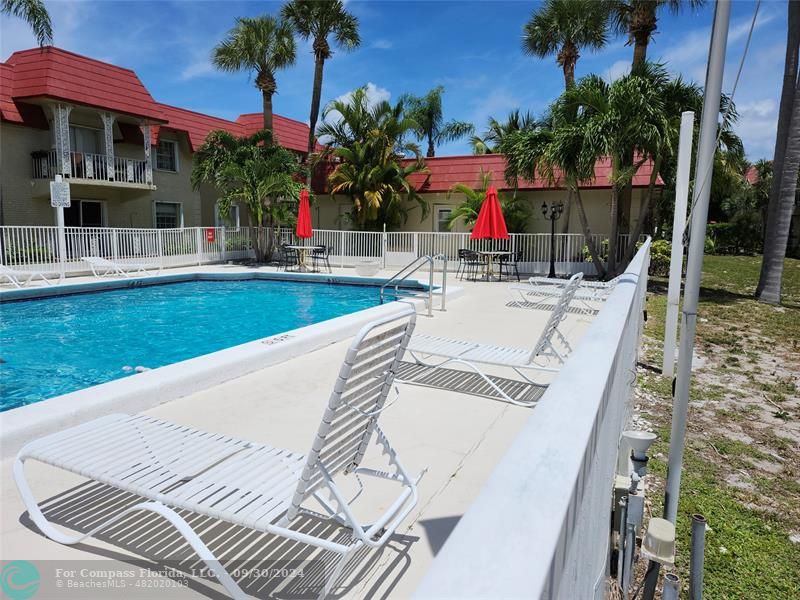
[[93, 167]]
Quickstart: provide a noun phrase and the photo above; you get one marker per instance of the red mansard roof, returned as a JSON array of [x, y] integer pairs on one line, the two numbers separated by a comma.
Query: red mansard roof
[[58, 74], [446, 171]]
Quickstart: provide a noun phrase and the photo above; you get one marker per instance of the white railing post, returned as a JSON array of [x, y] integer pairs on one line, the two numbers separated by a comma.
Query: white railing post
[[198, 238], [115, 244], [341, 249], [383, 247], [416, 245], [222, 243]]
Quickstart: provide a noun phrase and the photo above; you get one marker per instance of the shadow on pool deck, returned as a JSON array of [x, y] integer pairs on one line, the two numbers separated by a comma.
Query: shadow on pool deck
[[162, 549]]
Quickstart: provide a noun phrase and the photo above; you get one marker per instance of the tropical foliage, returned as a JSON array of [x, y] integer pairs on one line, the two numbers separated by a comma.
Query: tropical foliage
[[516, 210], [563, 28], [34, 13], [490, 141], [252, 172], [374, 159], [426, 112], [318, 20], [263, 45]]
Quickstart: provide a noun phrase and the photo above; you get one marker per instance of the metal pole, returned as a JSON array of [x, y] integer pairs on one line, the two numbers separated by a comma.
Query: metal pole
[[62, 238], [699, 215], [630, 550], [672, 587], [552, 273], [676, 259], [623, 519], [697, 557]]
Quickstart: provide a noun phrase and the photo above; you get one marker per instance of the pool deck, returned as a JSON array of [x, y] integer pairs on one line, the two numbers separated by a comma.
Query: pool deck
[[458, 437]]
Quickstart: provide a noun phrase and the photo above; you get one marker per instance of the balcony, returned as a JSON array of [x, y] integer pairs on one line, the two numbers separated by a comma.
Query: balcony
[[93, 169]]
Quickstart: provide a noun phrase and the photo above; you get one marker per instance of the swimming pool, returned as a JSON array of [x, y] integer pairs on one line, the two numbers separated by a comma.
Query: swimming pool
[[55, 345]]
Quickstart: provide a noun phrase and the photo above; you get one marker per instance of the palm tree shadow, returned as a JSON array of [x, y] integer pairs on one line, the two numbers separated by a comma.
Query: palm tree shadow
[[263, 565]]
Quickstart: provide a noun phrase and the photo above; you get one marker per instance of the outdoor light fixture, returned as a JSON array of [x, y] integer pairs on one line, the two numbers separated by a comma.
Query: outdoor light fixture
[[639, 443], [553, 213]]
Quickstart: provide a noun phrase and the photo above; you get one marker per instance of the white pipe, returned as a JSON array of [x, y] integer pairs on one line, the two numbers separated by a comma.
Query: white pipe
[[709, 123], [678, 224]]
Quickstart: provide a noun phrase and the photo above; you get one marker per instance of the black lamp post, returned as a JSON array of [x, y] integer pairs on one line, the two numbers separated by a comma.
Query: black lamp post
[[552, 212]]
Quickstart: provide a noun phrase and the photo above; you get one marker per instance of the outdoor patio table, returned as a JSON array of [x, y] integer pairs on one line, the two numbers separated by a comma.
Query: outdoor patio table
[[491, 257], [302, 252]]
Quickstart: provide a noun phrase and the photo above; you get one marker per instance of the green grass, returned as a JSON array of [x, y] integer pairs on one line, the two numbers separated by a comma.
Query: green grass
[[749, 554]]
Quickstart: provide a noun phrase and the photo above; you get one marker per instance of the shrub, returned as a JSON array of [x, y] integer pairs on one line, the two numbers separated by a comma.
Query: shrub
[[660, 254]]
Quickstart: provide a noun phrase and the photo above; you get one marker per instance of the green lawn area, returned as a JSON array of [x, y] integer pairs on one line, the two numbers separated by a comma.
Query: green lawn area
[[742, 459]]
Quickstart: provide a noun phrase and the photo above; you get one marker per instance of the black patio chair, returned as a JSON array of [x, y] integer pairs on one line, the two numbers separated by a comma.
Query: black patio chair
[[509, 262], [473, 263], [287, 258], [320, 255]]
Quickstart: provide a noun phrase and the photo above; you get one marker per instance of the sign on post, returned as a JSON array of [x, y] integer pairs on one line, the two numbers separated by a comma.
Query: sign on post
[[59, 194], [210, 235]]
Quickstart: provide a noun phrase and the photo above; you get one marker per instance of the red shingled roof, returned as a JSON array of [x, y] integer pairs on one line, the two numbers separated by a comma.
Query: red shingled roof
[[446, 171], [54, 73], [288, 132]]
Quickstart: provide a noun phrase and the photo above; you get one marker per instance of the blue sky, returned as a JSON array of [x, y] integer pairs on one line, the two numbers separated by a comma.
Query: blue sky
[[472, 48]]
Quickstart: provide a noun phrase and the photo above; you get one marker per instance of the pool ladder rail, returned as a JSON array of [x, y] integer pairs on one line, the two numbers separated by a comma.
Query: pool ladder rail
[[406, 272]]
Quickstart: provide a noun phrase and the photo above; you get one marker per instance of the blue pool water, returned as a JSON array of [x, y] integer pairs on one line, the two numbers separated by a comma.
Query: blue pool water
[[51, 346]]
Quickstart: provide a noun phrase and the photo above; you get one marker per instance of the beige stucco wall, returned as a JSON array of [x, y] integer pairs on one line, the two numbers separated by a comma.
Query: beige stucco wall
[[597, 204]]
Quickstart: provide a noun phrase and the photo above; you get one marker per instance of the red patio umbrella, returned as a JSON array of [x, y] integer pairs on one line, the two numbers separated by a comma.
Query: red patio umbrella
[[490, 224], [303, 229]]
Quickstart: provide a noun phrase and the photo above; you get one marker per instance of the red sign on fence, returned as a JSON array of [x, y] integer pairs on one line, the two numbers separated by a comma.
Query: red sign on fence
[[211, 234]]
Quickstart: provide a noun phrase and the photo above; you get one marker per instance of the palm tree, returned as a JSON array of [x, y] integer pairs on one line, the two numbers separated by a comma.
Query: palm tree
[[254, 172], [564, 28], [35, 14], [369, 144], [318, 20], [785, 166], [427, 112], [488, 144], [638, 19], [515, 211], [261, 44]]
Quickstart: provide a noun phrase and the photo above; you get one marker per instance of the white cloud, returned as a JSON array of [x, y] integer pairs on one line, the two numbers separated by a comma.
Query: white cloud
[[382, 44], [617, 70], [198, 68]]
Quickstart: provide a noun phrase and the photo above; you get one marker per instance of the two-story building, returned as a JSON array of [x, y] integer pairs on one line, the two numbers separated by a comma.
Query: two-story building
[[128, 157]]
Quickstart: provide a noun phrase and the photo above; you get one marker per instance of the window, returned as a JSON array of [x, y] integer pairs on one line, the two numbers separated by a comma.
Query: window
[[227, 220], [168, 215], [167, 156], [442, 218], [84, 213], [84, 140]]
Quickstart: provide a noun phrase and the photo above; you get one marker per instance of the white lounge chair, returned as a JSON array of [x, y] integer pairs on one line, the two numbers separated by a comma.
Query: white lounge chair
[[19, 278], [472, 354], [102, 267], [255, 486], [540, 289]]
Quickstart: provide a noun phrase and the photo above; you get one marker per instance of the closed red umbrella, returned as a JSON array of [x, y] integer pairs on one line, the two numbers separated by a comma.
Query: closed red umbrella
[[303, 229], [490, 224]]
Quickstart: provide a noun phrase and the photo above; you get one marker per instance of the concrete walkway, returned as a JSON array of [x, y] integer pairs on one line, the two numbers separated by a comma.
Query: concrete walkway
[[457, 437]]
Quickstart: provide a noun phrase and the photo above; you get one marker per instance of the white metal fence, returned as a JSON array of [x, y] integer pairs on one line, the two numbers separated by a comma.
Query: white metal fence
[[36, 247], [540, 527]]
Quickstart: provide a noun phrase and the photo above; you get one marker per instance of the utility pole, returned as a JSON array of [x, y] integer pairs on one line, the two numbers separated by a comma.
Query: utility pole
[[709, 122]]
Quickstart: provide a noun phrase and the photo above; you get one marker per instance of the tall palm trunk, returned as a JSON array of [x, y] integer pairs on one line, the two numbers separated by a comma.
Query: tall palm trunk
[[769, 282], [266, 83], [567, 58], [643, 23], [644, 210], [431, 147], [587, 234], [612, 238], [316, 95], [781, 207]]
